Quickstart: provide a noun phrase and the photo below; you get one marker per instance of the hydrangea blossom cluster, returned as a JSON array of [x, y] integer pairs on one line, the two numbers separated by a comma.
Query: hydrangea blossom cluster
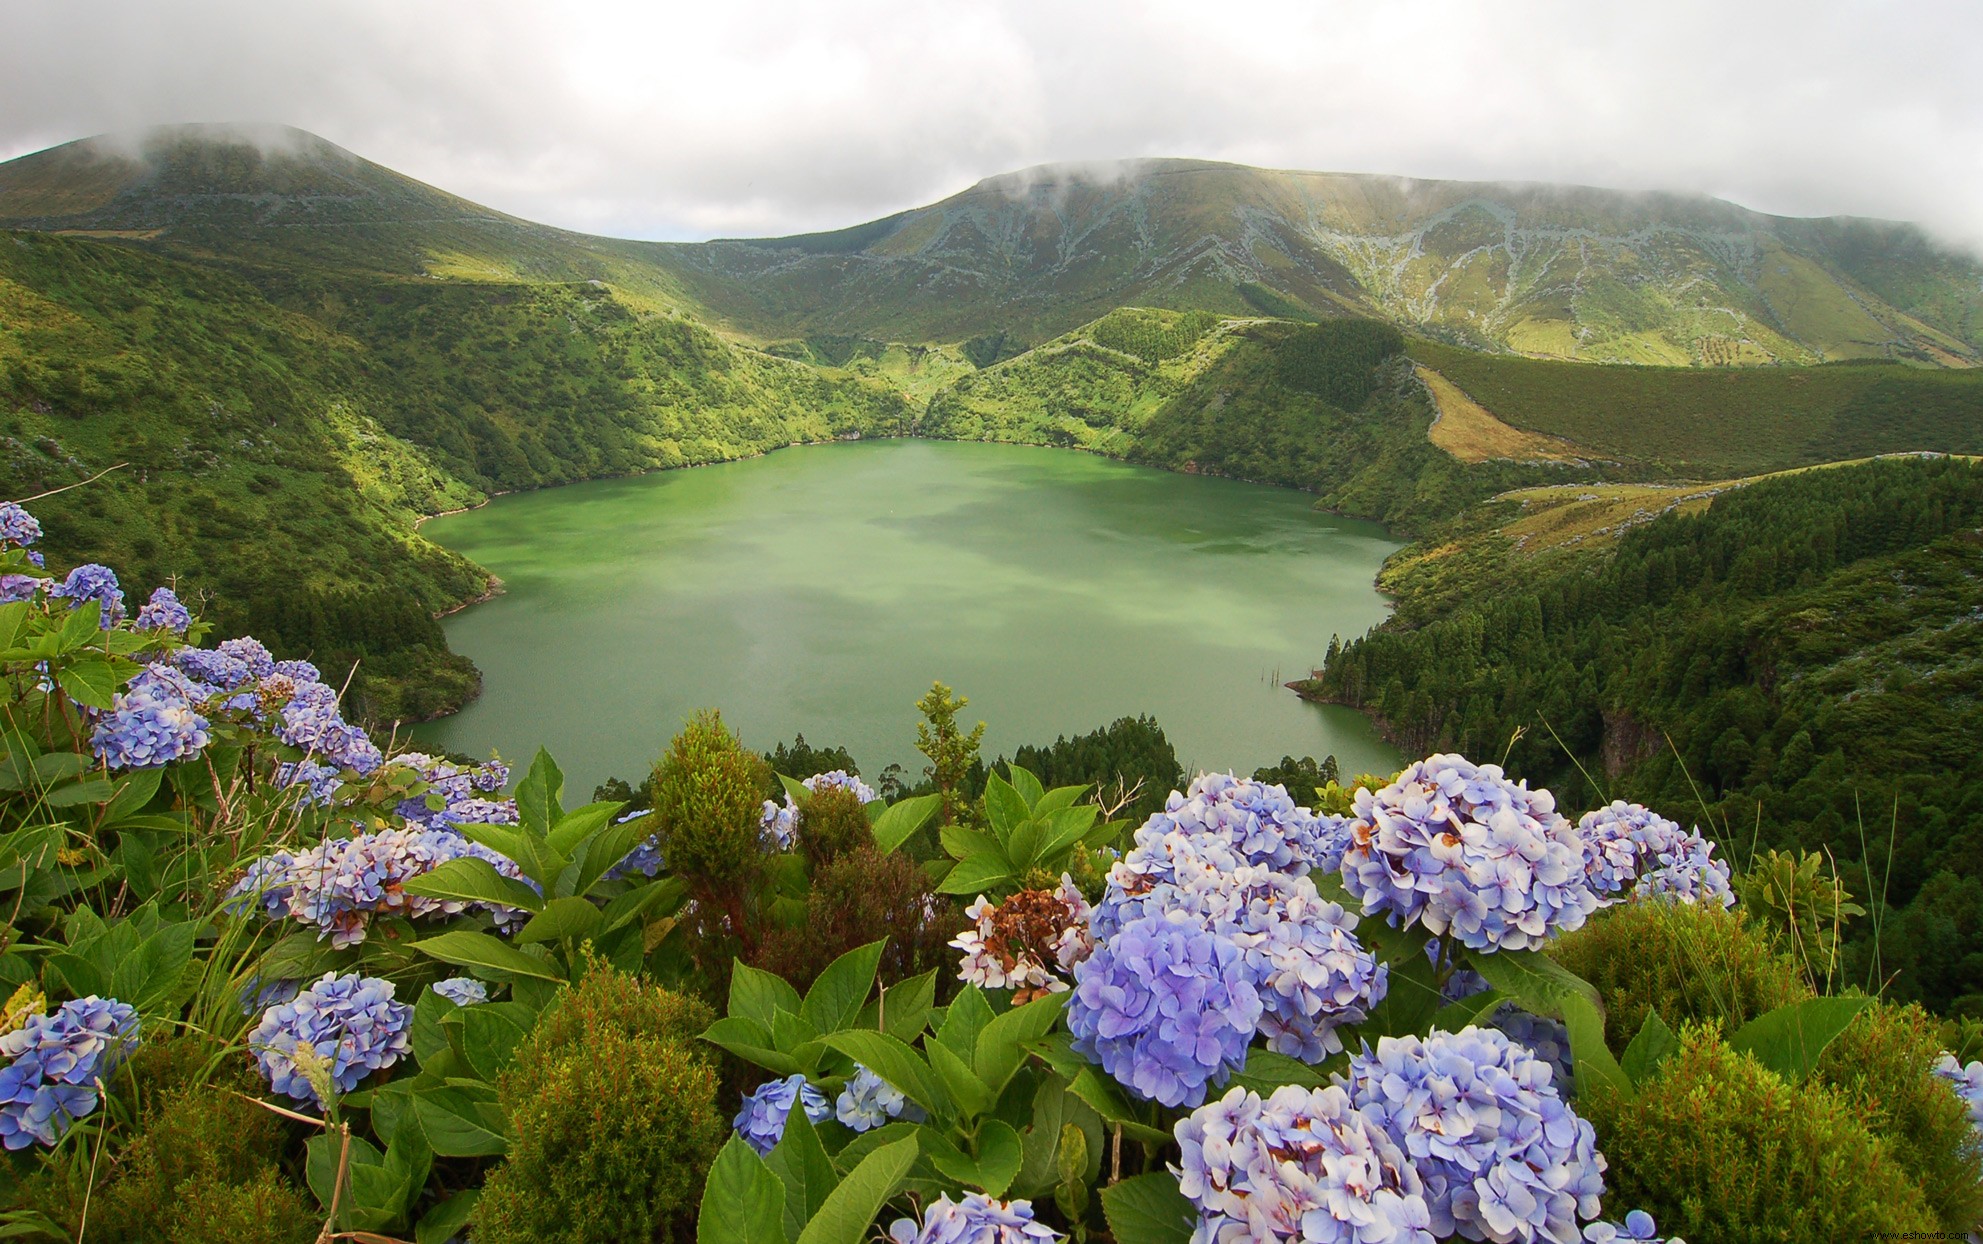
[[1028, 943], [462, 793], [646, 858], [977, 1219], [1462, 850], [1302, 1165], [310, 719], [779, 822], [336, 1032], [163, 612], [1546, 1038], [1258, 823], [152, 723], [340, 884], [868, 1101], [762, 1120], [1630, 845], [54, 1063], [91, 581], [1501, 1156], [842, 780], [1638, 1228], [462, 990], [1967, 1082], [17, 526]]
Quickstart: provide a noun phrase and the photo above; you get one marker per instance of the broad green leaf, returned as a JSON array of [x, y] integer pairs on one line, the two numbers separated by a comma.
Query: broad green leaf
[[1105, 1098], [1004, 808], [445, 1221], [94, 791], [757, 994], [534, 856], [576, 826], [902, 1010], [606, 848], [1789, 1039], [11, 617], [835, 999], [479, 950], [1412, 997], [965, 1088], [1065, 828], [1026, 784], [752, 1042], [848, 1210], [977, 875], [893, 826], [743, 1202], [59, 767], [960, 843], [1648, 1049], [152, 977], [896, 1063], [965, 1018], [801, 1164], [92, 683], [427, 1035], [1533, 979], [458, 1125], [80, 628], [537, 796], [472, 880], [635, 903], [1266, 1071], [796, 787], [1001, 1047], [134, 790], [998, 1154], [1057, 798], [1149, 1210], [1472, 1010], [1591, 1059], [1022, 844], [561, 918]]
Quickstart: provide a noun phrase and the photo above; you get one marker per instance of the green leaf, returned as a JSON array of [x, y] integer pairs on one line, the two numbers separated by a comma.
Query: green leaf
[[561, 918], [460, 1126], [894, 1062], [472, 880], [759, 995], [1149, 1210], [576, 826], [977, 875], [134, 791], [1591, 1058], [490, 1033], [1649, 1048], [11, 617], [94, 791], [1266, 1071], [535, 857], [795, 787], [537, 795], [835, 999], [1001, 1047], [960, 843], [848, 1210], [964, 1020], [59, 767], [635, 903], [1004, 808], [1065, 828], [998, 1154], [479, 950], [92, 683], [1533, 979], [607, 848], [965, 1088], [903, 1010], [801, 1164], [743, 1202], [80, 627], [893, 826], [1472, 1010], [1057, 798], [152, 977], [752, 1042], [1789, 1039], [1022, 845], [1027, 785], [1413, 997], [445, 1221], [1105, 1098]]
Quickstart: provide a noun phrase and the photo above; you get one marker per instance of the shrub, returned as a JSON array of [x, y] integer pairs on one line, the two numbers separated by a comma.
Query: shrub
[[707, 801], [612, 1140], [606, 999], [863, 896], [832, 823], [1690, 962], [1718, 1147], [1881, 1064]]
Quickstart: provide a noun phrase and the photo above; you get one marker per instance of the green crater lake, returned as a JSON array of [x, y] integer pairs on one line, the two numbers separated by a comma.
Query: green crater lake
[[821, 589]]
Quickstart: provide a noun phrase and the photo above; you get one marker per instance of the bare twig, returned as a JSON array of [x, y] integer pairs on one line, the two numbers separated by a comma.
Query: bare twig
[[78, 484], [82, 1219], [272, 1108], [330, 1231]]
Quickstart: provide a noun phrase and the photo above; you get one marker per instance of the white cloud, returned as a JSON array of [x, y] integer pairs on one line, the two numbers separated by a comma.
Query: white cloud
[[681, 121]]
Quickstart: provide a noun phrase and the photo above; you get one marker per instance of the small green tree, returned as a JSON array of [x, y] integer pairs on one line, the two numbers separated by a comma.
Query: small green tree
[[951, 752]]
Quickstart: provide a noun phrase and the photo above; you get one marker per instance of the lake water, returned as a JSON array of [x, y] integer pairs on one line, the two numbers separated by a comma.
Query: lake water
[[821, 589]]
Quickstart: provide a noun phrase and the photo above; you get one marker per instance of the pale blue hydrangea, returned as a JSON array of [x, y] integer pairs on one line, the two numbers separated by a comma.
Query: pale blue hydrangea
[[319, 781], [462, 990], [1302, 1165], [163, 612], [17, 526], [1258, 822], [1165, 1008], [299, 671], [54, 1063], [458, 789], [1630, 845], [842, 780], [342, 884], [1638, 1228], [251, 652], [149, 725], [258, 995], [777, 824], [19, 587], [267, 884], [350, 1022], [646, 858], [977, 1219], [1463, 851], [93, 582], [762, 1120], [1501, 1155], [216, 669], [1967, 1082], [868, 1101]]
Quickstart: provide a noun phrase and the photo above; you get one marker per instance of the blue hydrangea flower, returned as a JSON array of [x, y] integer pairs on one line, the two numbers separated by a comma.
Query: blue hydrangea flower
[[1967, 1082], [1631, 845], [350, 1023], [17, 526], [299, 671], [868, 1101], [93, 582], [54, 1063], [842, 780], [1637, 1228], [777, 824], [459, 790], [1257, 822], [1501, 1155], [762, 1120], [341, 884], [1165, 1008], [251, 653], [258, 995], [977, 1219], [149, 725], [646, 858], [216, 669], [462, 990], [1548, 1039], [1302, 1165], [163, 612], [319, 781], [18, 587], [267, 884], [1462, 850]]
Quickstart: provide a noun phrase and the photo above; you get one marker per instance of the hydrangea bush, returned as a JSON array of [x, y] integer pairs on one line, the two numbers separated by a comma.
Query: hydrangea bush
[[330, 1036], [1633, 848], [56, 1065]]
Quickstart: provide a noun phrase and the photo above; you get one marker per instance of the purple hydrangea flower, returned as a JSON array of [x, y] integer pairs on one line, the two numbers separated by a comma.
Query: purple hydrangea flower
[[842, 780], [1637, 1228], [54, 1063], [1165, 1008], [319, 781], [777, 824], [462, 990], [258, 995], [1462, 850], [1302, 1165], [762, 1120], [646, 858], [18, 587], [299, 671], [216, 669], [1631, 845], [459, 790], [17, 526], [267, 884], [1259, 823], [977, 1219], [868, 1101], [150, 724], [341, 884], [93, 582], [1967, 1082], [350, 1023], [1502, 1157], [163, 612], [251, 653]]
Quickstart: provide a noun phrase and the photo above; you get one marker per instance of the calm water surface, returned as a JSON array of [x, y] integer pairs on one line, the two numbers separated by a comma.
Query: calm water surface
[[821, 589]]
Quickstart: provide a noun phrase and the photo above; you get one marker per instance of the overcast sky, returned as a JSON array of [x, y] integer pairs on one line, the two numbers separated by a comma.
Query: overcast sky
[[741, 117]]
